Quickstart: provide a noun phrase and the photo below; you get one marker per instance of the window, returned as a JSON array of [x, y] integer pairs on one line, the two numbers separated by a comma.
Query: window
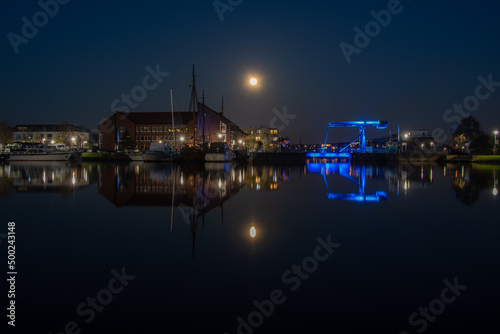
[[142, 138], [149, 138], [149, 129], [136, 129], [122, 129], [49, 136]]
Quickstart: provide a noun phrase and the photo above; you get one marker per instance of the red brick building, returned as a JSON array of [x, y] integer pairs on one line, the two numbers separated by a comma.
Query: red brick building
[[218, 128], [147, 127]]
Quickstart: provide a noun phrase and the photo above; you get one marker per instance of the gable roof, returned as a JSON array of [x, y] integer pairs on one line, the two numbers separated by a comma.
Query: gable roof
[[180, 117]]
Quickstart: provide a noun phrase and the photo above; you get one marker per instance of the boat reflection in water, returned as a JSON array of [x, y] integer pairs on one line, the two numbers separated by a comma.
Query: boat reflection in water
[[202, 186], [52, 177], [356, 174], [191, 191]]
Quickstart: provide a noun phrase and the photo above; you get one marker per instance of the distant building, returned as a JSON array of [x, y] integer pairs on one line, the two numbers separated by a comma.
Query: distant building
[[268, 136], [417, 140], [70, 135]]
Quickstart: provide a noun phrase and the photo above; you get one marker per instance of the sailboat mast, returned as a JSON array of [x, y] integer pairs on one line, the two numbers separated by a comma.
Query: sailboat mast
[[203, 117], [173, 124], [194, 108]]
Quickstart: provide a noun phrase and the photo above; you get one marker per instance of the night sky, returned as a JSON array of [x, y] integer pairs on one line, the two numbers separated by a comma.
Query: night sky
[[427, 58]]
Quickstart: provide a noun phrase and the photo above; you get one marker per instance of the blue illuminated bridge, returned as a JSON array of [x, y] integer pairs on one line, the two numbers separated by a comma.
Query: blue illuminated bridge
[[361, 138]]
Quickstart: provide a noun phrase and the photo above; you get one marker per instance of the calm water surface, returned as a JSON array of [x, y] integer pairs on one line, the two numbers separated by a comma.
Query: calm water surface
[[217, 248]]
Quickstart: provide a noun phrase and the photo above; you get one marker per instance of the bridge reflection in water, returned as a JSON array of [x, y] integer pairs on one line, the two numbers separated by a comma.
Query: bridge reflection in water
[[356, 174]]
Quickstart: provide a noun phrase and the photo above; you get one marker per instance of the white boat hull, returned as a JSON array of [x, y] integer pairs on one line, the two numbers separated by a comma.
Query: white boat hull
[[64, 156], [136, 157]]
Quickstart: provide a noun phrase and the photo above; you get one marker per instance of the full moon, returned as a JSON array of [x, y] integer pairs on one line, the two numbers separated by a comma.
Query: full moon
[[253, 81]]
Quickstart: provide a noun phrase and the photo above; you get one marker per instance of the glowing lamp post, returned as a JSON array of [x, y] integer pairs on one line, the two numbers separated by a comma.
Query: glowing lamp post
[[495, 143]]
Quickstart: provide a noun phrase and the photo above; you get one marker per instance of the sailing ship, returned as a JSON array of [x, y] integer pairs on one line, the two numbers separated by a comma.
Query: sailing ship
[[195, 152]]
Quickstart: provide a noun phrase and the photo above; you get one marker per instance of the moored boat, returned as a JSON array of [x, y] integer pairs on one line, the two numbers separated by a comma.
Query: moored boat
[[39, 154], [159, 152], [219, 152], [135, 156]]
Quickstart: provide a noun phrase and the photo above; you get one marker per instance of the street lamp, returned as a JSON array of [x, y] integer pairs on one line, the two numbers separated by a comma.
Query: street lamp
[[495, 143]]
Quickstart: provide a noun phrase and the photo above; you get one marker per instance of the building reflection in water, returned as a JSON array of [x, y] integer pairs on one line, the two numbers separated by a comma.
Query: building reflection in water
[[356, 174], [42, 177], [470, 180], [406, 177], [194, 190]]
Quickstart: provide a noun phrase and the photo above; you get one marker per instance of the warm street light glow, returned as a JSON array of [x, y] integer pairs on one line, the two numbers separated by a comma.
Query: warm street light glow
[[73, 138], [239, 141], [220, 136], [52, 142], [253, 81], [495, 142], [253, 232], [182, 138]]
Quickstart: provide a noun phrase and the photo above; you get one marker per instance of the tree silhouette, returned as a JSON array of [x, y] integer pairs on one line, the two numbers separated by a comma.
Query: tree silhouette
[[126, 141], [5, 133], [467, 130]]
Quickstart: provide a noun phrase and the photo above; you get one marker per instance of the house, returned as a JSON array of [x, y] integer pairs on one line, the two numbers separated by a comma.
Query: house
[[70, 135], [267, 136], [214, 127]]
